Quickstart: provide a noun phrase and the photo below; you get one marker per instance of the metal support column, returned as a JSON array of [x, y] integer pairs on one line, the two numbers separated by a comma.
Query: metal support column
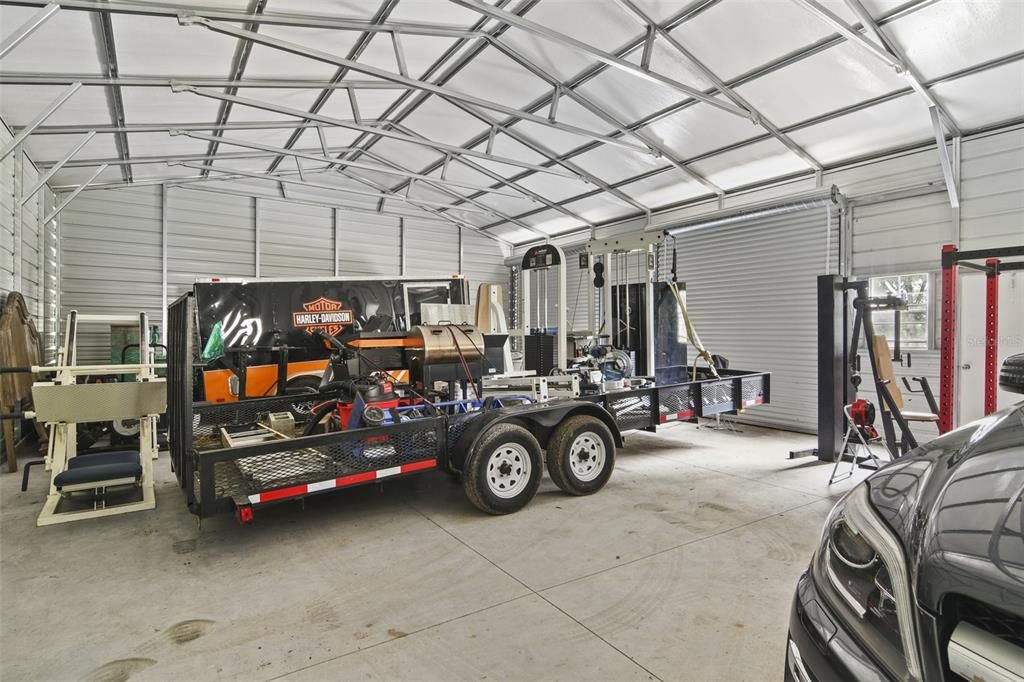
[[947, 342], [163, 263], [256, 225], [337, 241], [991, 333]]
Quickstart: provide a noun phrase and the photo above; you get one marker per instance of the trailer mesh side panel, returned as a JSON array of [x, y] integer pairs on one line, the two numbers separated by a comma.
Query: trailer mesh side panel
[[209, 417], [753, 389], [344, 455], [717, 396], [676, 399], [632, 411]]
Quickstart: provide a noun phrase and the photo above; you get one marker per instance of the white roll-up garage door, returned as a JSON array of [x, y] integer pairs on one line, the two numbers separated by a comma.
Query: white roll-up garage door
[[751, 293]]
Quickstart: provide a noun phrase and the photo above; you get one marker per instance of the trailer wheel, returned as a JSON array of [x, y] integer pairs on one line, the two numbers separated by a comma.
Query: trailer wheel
[[504, 469], [581, 455]]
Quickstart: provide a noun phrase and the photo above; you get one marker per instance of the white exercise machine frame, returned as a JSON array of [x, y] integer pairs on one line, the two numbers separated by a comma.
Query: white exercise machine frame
[[540, 259], [644, 246], [63, 403]]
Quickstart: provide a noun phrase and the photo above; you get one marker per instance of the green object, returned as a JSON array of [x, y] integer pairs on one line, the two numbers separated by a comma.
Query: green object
[[124, 347], [214, 349]]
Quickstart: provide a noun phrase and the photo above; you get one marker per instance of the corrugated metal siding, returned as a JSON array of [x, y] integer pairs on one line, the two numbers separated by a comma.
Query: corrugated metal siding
[[296, 240], [901, 236], [431, 248], [751, 294], [110, 260], [7, 213], [369, 245], [51, 276], [483, 261], [208, 237], [29, 259], [31, 249], [992, 191]]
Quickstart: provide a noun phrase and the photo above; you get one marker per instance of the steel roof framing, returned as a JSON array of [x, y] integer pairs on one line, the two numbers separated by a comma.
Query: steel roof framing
[[415, 85], [668, 25]]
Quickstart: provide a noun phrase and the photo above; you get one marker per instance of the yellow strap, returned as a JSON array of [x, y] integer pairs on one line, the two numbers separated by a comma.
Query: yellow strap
[[691, 333]]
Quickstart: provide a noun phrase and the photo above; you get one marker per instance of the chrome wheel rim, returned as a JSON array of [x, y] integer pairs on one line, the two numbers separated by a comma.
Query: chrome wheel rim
[[587, 456], [508, 470]]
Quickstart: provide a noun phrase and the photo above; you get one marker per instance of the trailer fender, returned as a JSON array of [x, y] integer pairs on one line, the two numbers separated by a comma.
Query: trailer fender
[[540, 420]]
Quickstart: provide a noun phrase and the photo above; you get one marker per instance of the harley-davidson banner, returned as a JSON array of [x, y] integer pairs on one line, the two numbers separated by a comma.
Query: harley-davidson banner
[[324, 315], [255, 313]]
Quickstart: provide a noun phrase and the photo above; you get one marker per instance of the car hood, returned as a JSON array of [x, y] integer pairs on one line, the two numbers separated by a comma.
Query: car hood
[[956, 505]]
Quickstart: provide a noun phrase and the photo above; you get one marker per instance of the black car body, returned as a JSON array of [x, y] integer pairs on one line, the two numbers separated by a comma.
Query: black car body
[[920, 571]]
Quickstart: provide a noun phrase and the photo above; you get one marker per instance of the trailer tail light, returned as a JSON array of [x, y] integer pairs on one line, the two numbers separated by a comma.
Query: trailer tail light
[[244, 514]]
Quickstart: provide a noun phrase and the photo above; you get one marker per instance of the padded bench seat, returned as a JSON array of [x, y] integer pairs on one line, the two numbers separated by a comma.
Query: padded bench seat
[[107, 466]]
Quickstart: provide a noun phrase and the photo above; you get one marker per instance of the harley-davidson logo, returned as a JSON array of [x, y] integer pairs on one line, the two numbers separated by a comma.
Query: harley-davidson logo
[[322, 314]]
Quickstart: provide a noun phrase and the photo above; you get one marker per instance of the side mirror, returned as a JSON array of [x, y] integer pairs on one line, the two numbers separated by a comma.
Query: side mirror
[[1011, 377]]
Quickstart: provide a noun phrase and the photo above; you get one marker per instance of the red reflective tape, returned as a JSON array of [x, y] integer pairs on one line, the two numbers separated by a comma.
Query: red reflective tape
[[664, 418], [419, 466], [684, 415], [282, 493], [352, 479], [355, 478]]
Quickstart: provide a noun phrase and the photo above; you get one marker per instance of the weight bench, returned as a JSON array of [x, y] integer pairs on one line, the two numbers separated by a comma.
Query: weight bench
[[123, 467]]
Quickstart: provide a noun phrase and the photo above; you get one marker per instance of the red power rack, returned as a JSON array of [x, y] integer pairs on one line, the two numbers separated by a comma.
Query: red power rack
[[952, 258]]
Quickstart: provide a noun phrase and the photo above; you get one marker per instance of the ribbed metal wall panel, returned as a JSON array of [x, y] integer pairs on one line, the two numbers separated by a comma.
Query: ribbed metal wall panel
[[751, 294], [8, 206], [111, 260], [431, 248], [51, 276], [296, 240], [901, 236], [483, 261], [31, 248], [369, 245], [208, 236], [992, 191]]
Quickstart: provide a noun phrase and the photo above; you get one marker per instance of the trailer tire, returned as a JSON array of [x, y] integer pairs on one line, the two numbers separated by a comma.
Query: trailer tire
[[581, 455], [503, 470]]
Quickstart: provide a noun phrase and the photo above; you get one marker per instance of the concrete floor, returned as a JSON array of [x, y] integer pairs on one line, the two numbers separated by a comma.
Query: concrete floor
[[681, 568]]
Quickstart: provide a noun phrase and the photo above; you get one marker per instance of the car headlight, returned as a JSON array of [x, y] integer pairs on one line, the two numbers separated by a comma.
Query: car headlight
[[860, 566]]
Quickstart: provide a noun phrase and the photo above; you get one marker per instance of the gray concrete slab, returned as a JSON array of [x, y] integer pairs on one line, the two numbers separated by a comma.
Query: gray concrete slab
[[714, 609], [525, 639], [698, 531]]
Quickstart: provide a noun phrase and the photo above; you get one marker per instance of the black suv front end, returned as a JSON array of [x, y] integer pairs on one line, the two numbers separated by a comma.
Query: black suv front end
[[919, 574]]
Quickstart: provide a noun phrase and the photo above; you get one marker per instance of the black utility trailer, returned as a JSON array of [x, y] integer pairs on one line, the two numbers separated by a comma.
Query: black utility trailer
[[498, 449]]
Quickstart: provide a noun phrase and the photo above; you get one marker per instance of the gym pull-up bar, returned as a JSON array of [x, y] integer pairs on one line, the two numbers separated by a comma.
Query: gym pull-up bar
[[952, 258]]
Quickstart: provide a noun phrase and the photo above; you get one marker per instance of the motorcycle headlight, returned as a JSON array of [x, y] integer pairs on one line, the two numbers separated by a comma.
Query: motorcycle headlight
[[860, 566]]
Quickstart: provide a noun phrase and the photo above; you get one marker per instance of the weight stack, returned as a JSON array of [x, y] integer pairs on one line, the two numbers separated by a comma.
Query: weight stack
[[540, 353]]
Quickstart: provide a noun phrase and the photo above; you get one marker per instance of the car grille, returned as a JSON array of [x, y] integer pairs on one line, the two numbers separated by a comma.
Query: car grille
[[1000, 623]]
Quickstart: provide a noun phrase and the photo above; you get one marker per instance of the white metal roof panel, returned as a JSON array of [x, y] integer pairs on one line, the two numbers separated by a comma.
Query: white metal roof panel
[[701, 128], [158, 46], [750, 164], [612, 165], [833, 78], [662, 189], [884, 126], [961, 96], [71, 30], [952, 34]]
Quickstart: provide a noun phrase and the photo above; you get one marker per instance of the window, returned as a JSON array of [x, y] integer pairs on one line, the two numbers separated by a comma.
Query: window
[[914, 321]]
